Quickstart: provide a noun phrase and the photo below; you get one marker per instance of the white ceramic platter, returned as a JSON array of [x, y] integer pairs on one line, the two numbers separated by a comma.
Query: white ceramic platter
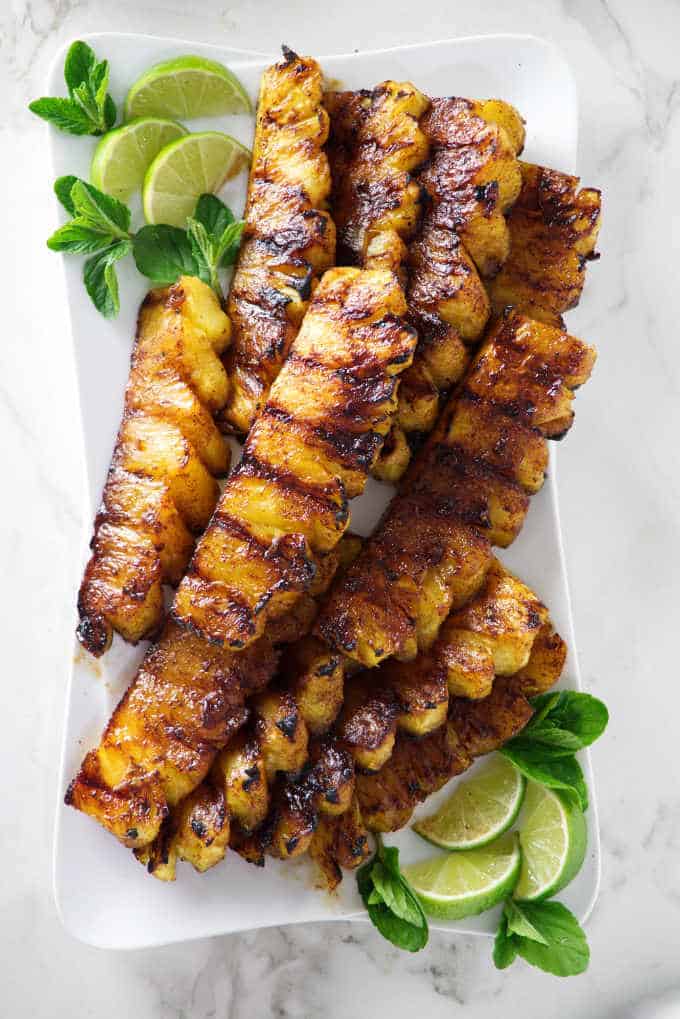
[[103, 895]]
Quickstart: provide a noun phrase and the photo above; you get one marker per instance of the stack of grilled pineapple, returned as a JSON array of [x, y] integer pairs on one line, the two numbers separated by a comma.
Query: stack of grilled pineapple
[[307, 686]]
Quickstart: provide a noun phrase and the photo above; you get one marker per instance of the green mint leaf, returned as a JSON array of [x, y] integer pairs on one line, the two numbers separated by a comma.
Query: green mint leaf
[[83, 95], [99, 82], [542, 705], [78, 64], [62, 189], [100, 279], [78, 239], [504, 946], [400, 932], [64, 114], [547, 739], [518, 923], [110, 113], [564, 950], [213, 214], [556, 773], [163, 254], [580, 714], [99, 210], [389, 857], [397, 896], [227, 247], [203, 252]]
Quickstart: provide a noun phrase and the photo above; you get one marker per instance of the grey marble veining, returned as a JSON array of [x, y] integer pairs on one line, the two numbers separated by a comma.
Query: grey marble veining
[[620, 498]]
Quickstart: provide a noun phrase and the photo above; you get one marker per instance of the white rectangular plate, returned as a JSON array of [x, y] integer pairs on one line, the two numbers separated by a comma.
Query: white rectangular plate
[[103, 895]]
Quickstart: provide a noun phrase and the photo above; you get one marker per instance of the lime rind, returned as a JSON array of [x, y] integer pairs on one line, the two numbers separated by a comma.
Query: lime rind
[[553, 838], [479, 810], [457, 885], [187, 87], [123, 155]]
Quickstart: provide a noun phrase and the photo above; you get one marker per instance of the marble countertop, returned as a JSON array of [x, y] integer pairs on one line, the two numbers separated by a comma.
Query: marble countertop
[[620, 501]]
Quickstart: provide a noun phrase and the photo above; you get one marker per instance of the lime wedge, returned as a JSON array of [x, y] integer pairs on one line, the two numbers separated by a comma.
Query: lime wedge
[[122, 156], [187, 87], [553, 839], [479, 810], [186, 169], [454, 885]]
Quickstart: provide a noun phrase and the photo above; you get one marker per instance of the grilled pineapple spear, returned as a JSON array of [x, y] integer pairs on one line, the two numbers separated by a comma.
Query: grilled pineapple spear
[[492, 635], [278, 522], [497, 634], [468, 488], [234, 798], [308, 452], [289, 238], [385, 800], [161, 489], [553, 231], [376, 144], [379, 141], [472, 179]]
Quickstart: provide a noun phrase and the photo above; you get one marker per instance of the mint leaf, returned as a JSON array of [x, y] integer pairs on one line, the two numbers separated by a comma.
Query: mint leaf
[[203, 252], [549, 739], [392, 905], [83, 95], [583, 716], [62, 189], [542, 705], [504, 946], [564, 949], [100, 279], [397, 895], [227, 247], [110, 113], [64, 114], [558, 773], [99, 210], [89, 108], [518, 923], [99, 82], [78, 239], [78, 64], [213, 214], [163, 254]]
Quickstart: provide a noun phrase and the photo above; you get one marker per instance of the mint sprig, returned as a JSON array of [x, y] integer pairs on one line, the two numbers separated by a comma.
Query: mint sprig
[[563, 723], [100, 226], [545, 934], [89, 109], [392, 905]]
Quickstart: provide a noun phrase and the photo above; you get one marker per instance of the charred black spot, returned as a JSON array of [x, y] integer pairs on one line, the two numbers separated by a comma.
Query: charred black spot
[[289, 55], [198, 828], [288, 725], [253, 777]]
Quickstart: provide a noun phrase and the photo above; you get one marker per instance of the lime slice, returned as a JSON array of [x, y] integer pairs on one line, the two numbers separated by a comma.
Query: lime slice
[[479, 810], [122, 156], [454, 885], [553, 840], [186, 169], [186, 87]]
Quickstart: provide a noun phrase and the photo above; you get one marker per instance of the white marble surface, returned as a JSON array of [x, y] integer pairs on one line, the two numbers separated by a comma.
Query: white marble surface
[[620, 502]]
